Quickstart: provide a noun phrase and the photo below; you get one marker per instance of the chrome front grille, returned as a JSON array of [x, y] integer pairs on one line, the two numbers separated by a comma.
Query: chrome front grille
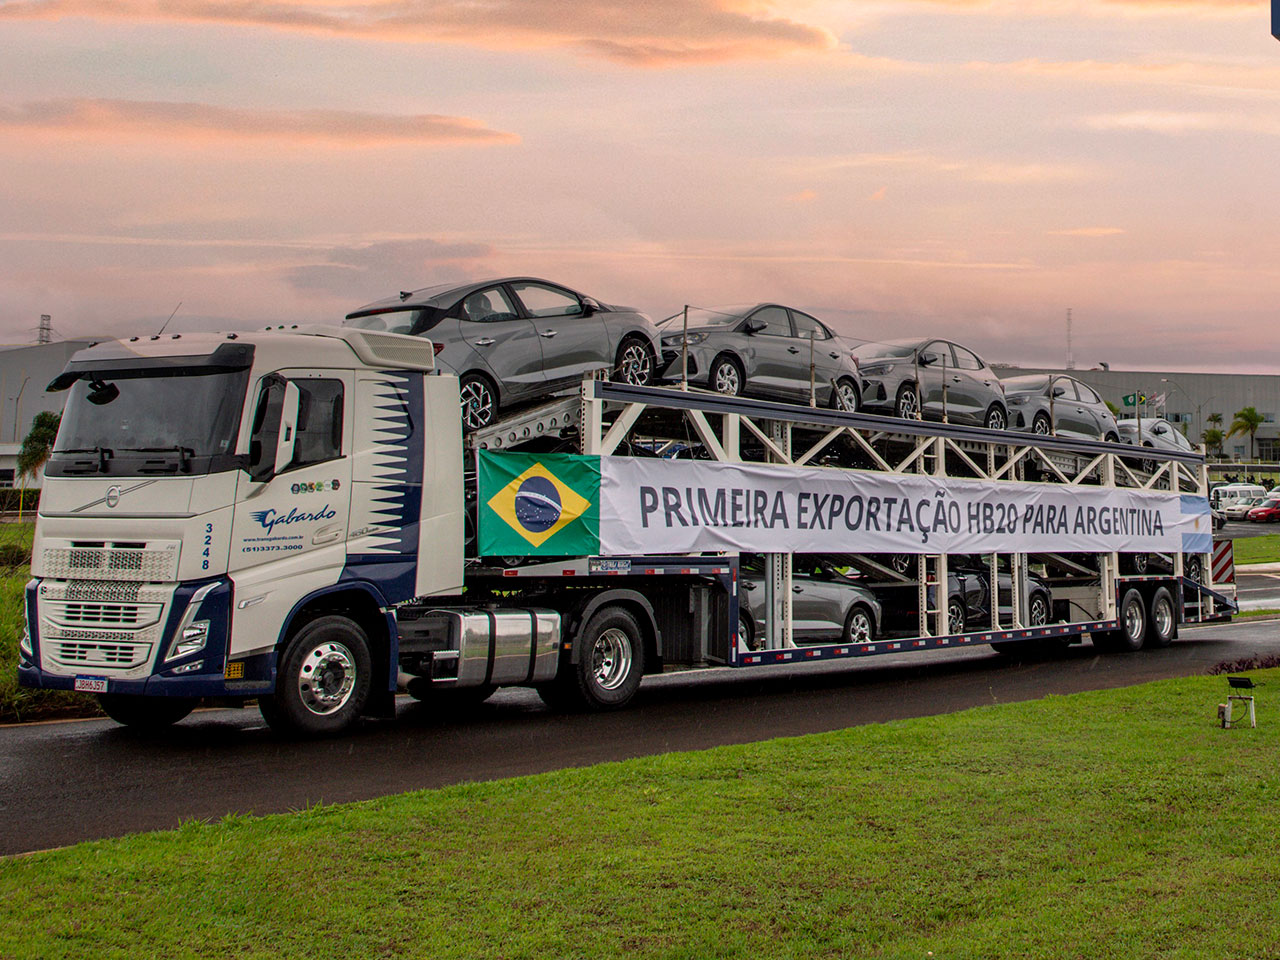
[[101, 625], [157, 561], [124, 614]]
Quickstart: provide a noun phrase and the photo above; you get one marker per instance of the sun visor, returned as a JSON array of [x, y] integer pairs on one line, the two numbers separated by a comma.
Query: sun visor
[[115, 361]]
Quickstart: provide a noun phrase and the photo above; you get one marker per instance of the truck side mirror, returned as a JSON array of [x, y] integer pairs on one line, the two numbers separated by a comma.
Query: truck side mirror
[[287, 437]]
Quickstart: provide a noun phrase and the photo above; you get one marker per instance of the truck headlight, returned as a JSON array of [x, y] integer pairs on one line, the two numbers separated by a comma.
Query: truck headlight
[[190, 640], [25, 650]]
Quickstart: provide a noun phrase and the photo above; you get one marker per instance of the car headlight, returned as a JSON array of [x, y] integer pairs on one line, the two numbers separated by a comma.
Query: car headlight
[[680, 339], [875, 369], [1018, 400]]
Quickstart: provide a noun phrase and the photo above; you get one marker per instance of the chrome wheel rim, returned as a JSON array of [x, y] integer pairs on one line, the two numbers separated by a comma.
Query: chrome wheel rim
[[727, 379], [1133, 621], [955, 617], [1139, 563], [995, 419], [1193, 569], [1163, 616], [611, 659], [1041, 426], [477, 404], [1039, 612], [634, 367], [901, 562], [327, 678], [846, 397], [908, 409], [859, 627]]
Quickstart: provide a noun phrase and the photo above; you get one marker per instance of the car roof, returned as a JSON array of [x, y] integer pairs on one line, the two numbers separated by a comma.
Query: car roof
[[443, 295]]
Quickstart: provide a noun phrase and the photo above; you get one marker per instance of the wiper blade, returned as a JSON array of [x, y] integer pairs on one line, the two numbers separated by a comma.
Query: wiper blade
[[89, 466], [184, 455]]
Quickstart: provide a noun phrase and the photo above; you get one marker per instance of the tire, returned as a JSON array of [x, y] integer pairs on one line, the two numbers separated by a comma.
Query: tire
[[1038, 610], [1133, 627], [1040, 425], [1193, 568], [635, 363], [323, 680], [907, 406], [727, 377], [1112, 438], [145, 713], [955, 616], [845, 396], [479, 401], [609, 668], [996, 418], [859, 626], [1138, 563], [746, 631], [901, 562], [1162, 623]]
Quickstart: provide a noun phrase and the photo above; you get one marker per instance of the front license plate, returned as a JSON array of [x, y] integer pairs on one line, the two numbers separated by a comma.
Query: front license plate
[[91, 684]]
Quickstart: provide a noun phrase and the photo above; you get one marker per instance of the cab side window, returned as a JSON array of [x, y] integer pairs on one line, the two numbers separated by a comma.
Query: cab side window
[[319, 435]]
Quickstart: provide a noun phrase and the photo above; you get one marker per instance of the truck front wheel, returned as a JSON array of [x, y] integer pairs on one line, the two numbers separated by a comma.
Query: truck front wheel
[[145, 713], [609, 668], [323, 680]]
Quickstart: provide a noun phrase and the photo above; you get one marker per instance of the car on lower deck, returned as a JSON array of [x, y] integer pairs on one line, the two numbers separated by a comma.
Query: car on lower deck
[[1047, 404], [932, 380], [826, 604], [764, 350], [517, 339], [968, 600]]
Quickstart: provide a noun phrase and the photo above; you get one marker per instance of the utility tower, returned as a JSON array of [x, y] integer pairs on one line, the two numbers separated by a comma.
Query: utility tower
[[45, 333], [1071, 359]]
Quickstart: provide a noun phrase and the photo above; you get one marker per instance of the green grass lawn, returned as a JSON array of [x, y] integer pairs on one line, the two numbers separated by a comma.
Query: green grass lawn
[[1112, 824], [1264, 549]]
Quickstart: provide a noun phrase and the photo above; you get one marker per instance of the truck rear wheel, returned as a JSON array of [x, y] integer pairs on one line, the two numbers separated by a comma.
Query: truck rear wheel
[[323, 680], [1162, 625], [1133, 627], [145, 713], [609, 668]]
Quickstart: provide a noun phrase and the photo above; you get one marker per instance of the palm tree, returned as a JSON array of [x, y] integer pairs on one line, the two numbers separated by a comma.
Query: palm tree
[[1212, 439], [38, 444], [1214, 420], [1247, 421]]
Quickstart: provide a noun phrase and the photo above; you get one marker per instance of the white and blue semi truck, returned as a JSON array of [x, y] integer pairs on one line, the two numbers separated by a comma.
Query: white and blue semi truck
[[295, 517]]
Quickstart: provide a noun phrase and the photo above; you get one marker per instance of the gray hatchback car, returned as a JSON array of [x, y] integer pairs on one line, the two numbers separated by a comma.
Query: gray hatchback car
[[1076, 408], [515, 339], [952, 380], [763, 350]]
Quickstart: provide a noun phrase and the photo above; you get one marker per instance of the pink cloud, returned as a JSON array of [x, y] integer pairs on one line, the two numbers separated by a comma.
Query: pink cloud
[[644, 33], [187, 121]]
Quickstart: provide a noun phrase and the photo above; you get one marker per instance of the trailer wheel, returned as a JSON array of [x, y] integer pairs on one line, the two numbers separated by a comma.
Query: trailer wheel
[[609, 667], [323, 680], [1133, 627], [145, 713], [1163, 624]]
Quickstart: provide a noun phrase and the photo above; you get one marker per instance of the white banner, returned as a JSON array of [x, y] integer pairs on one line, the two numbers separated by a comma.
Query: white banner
[[682, 506]]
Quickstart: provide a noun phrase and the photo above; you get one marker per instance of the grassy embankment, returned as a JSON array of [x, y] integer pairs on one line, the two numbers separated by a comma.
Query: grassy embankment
[[1111, 824], [1264, 549]]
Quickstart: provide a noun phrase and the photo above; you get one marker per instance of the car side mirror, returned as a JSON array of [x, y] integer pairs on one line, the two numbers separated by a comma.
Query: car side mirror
[[1158, 430], [753, 326], [928, 359], [589, 306], [1059, 391]]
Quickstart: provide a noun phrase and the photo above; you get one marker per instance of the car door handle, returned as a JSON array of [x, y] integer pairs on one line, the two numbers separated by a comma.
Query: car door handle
[[834, 356], [793, 349], [956, 379], [547, 333], [485, 342]]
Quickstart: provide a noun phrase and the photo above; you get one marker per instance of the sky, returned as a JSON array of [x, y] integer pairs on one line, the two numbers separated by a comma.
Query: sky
[[961, 168]]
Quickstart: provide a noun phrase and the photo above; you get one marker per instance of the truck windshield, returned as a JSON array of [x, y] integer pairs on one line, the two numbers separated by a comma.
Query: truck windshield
[[188, 416]]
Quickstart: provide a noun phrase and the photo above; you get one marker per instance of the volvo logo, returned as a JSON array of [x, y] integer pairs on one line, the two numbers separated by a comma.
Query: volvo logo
[[113, 497]]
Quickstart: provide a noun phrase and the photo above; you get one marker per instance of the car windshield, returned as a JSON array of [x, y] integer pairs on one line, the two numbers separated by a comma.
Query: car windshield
[[201, 414], [889, 348], [1029, 384], [709, 316], [1270, 503]]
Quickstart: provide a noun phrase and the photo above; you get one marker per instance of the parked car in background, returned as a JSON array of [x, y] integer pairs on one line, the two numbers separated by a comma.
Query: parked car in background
[[1038, 401], [761, 350], [1226, 494], [933, 378], [825, 604], [1153, 432], [516, 339], [1268, 511], [1239, 509]]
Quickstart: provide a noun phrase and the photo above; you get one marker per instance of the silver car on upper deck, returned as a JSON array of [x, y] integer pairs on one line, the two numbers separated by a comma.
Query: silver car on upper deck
[[1038, 402], [937, 378]]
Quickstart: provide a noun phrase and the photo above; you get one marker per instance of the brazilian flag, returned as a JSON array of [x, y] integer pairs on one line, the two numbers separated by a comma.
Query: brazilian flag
[[544, 504]]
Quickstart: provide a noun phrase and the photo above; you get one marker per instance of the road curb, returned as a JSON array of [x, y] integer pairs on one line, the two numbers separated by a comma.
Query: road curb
[[1258, 568]]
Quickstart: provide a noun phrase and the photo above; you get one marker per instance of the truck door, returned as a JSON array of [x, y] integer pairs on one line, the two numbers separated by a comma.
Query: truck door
[[292, 499]]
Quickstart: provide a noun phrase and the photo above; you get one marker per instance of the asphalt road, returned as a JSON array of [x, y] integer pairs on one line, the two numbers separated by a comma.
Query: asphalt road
[[1258, 591], [65, 782]]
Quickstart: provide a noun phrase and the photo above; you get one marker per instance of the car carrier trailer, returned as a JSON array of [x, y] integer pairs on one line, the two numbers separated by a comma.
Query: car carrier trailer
[[296, 517]]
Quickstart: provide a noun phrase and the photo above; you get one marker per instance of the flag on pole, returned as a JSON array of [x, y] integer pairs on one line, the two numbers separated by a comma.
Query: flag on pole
[[1134, 399]]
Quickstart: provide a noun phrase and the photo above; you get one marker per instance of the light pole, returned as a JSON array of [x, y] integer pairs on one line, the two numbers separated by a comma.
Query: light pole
[[1177, 386], [17, 407]]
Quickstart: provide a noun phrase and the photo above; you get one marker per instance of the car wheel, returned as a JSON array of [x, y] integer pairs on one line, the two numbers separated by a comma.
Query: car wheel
[[324, 679], [479, 402], [1037, 610], [1148, 466], [845, 396], [1040, 425], [907, 406], [727, 377], [1133, 627], [901, 562], [145, 713], [1193, 568], [746, 632], [995, 418], [859, 627], [1138, 563], [1163, 624], [635, 363], [955, 616], [1112, 438]]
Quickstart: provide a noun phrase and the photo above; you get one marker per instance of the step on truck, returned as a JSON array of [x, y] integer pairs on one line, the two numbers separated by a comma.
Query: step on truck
[[295, 517]]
